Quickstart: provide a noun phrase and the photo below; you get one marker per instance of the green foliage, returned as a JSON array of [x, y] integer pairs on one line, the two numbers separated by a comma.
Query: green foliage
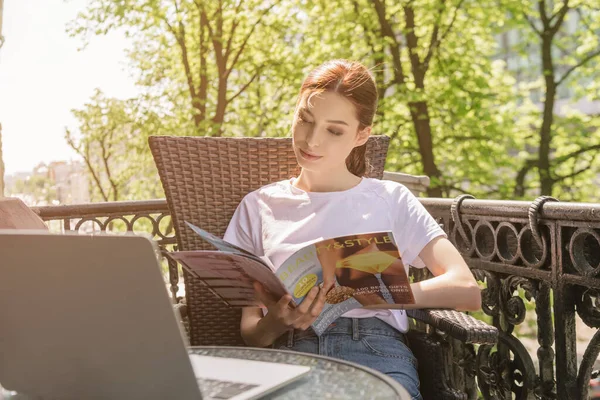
[[234, 67], [568, 74], [112, 140], [210, 67]]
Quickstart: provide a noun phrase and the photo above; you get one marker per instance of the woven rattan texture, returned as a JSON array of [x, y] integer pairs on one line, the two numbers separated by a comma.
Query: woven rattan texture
[[204, 180], [458, 325]]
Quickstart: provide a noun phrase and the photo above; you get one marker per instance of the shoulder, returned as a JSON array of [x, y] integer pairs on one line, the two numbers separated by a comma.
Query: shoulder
[[272, 190], [392, 191]]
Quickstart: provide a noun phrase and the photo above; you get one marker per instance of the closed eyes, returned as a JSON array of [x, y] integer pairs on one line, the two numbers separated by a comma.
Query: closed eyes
[[306, 121]]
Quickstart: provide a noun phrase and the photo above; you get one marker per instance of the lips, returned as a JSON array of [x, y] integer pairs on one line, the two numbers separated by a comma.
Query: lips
[[309, 156]]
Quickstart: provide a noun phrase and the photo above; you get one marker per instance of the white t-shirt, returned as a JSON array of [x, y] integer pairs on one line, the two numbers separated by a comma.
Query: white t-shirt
[[279, 219]]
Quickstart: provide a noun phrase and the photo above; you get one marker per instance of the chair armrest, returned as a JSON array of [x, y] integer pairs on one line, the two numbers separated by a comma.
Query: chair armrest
[[458, 325]]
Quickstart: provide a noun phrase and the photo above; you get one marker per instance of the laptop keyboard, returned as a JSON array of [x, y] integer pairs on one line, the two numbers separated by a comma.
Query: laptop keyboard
[[222, 390]]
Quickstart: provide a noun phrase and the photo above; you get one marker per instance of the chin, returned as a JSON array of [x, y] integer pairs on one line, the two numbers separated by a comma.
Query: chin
[[309, 166]]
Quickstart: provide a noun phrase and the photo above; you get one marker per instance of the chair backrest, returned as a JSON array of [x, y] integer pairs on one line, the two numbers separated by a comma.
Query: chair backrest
[[417, 184], [14, 214], [204, 180]]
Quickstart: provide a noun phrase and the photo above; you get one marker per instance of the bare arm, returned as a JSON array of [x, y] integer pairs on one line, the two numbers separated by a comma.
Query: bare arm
[[256, 329], [453, 285]]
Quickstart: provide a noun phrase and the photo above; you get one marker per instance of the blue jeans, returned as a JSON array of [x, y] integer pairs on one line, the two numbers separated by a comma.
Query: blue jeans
[[366, 341]]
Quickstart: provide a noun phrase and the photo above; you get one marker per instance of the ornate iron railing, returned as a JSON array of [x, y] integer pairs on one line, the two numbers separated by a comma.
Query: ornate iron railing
[[545, 254], [150, 217], [536, 261]]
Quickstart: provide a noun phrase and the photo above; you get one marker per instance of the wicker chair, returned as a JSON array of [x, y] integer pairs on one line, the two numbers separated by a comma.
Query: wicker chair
[[206, 178]]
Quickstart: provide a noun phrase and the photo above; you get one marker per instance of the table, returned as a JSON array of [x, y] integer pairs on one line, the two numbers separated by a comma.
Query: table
[[329, 378]]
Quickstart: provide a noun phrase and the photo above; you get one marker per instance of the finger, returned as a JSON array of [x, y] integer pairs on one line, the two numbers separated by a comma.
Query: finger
[[263, 296], [318, 303], [308, 300], [284, 303], [305, 321]]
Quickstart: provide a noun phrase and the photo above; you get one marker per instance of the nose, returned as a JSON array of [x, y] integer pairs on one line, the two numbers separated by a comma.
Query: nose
[[313, 138]]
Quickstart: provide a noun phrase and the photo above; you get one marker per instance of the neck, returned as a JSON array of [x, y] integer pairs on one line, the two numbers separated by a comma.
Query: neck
[[332, 181]]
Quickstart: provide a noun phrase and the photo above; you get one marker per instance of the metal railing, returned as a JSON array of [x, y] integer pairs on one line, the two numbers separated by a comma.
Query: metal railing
[[537, 261]]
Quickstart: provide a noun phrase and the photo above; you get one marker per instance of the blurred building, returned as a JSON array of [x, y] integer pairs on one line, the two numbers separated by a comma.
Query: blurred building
[[58, 182], [70, 180]]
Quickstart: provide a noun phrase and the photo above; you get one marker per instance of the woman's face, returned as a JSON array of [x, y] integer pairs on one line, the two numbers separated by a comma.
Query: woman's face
[[325, 130]]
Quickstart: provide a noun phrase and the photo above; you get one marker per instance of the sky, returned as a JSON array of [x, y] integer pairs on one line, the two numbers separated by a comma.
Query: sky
[[43, 77]]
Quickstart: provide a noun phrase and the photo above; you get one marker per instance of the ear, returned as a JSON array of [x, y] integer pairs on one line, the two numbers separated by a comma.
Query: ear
[[363, 136]]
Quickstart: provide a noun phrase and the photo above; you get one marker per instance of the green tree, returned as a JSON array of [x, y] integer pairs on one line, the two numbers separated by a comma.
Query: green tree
[[448, 106], [199, 58], [453, 109], [564, 151], [112, 141]]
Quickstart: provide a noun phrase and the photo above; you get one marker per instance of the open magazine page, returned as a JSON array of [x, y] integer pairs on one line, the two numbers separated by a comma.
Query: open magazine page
[[217, 242], [225, 246], [230, 275], [367, 269]]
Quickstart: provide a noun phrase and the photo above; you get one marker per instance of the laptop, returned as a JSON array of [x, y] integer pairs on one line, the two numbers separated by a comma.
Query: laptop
[[89, 317]]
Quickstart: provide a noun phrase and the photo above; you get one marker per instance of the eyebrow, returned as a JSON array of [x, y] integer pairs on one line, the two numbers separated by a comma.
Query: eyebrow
[[304, 109]]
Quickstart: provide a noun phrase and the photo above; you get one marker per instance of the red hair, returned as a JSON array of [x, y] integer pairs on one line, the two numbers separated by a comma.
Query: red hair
[[352, 80]]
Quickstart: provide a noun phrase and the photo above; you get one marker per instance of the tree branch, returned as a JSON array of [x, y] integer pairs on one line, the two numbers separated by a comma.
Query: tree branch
[[539, 33], [519, 190], [561, 159], [560, 178], [433, 42], [441, 39], [234, 25], [85, 154], [379, 60], [543, 15], [243, 88], [211, 34], [560, 16], [412, 41], [219, 15], [579, 64], [241, 49], [105, 157], [203, 71], [180, 38], [387, 31], [453, 20]]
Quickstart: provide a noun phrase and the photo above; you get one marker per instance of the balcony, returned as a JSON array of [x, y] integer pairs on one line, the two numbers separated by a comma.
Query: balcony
[[538, 265]]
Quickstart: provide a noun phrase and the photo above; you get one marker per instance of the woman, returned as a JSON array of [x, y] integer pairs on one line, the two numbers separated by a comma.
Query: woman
[[331, 198]]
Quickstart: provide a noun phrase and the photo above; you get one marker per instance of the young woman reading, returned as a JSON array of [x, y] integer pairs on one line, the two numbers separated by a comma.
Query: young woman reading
[[330, 198]]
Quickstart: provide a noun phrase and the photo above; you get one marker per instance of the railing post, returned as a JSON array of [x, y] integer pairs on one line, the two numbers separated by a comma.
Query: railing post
[[564, 323]]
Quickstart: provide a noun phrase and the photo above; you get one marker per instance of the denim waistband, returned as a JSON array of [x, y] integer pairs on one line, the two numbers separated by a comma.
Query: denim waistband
[[354, 327]]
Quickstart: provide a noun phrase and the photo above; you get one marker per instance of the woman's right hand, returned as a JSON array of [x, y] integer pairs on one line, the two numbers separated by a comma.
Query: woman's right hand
[[285, 316]]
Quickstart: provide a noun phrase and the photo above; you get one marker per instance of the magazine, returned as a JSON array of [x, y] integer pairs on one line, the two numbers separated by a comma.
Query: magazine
[[367, 270]]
